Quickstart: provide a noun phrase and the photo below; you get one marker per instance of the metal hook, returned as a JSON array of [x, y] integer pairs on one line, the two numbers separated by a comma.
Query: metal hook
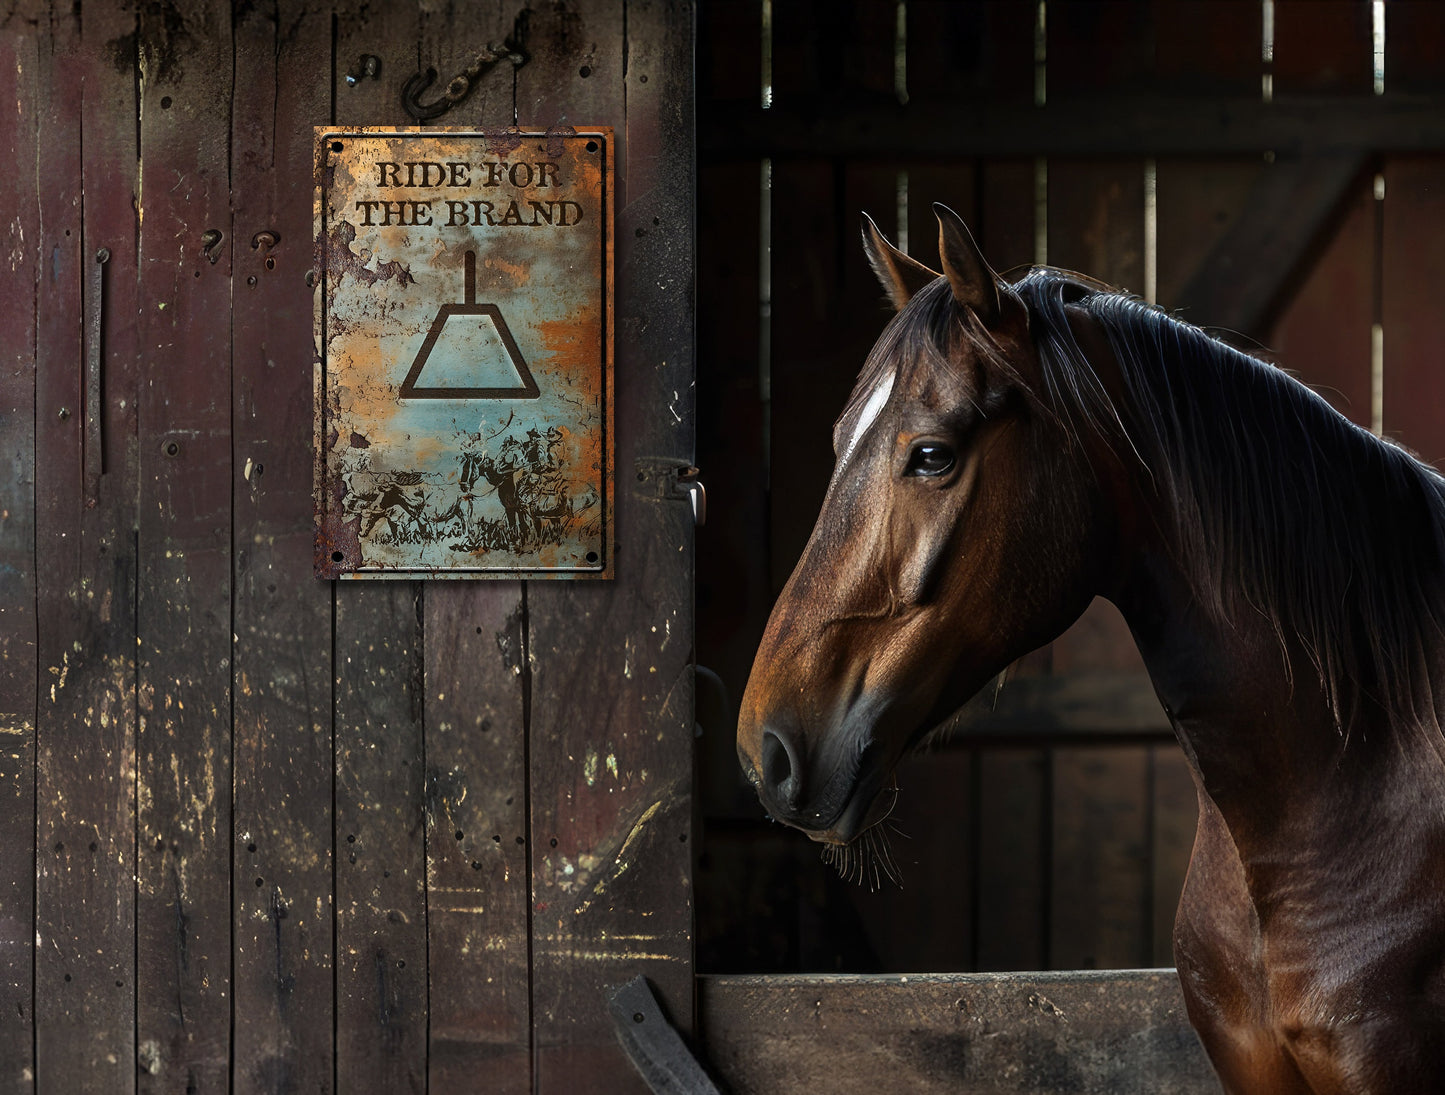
[[459, 86]]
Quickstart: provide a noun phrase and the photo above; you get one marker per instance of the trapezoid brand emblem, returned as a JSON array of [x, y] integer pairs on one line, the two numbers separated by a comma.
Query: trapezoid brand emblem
[[469, 342]]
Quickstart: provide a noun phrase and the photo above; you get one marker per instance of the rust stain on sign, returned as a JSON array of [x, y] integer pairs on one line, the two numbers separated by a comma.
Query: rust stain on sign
[[464, 366]]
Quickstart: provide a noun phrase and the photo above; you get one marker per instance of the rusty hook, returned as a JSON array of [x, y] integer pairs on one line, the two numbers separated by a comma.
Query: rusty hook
[[458, 88]]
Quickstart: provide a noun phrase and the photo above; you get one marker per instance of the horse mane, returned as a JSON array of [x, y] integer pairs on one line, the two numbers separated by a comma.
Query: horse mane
[[1277, 502]]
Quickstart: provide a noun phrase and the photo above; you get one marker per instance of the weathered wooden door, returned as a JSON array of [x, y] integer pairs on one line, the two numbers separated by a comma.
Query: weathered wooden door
[[263, 832]]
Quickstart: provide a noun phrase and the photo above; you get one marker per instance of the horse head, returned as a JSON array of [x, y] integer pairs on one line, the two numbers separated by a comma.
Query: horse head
[[964, 525]]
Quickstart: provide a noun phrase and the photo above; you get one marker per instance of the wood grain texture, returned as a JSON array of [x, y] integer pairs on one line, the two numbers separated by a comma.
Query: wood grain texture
[[1100, 900], [479, 976], [19, 73], [1413, 256], [282, 821], [477, 861], [183, 913], [1323, 335], [611, 712], [1014, 788], [381, 921], [1019, 1034], [85, 889]]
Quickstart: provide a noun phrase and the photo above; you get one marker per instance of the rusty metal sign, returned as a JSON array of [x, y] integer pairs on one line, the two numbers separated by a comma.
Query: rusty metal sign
[[464, 371]]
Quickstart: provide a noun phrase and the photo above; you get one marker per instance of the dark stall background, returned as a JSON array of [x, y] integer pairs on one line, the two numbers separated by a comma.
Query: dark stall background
[[1268, 169]]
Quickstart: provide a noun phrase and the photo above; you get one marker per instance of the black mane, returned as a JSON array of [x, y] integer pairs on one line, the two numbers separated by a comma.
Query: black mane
[[1278, 503]]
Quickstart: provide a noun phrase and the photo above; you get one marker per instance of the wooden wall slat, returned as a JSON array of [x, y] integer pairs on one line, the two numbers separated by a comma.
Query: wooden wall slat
[[730, 52], [1100, 907], [971, 51], [1414, 46], [810, 383], [1413, 256], [611, 674], [19, 193], [1203, 47], [381, 914], [1323, 45], [1323, 335], [1097, 45], [84, 834], [477, 869], [1174, 817], [183, 908], [733, 595], [1012, 925], [282, 823], [478, 883], [832, 48]]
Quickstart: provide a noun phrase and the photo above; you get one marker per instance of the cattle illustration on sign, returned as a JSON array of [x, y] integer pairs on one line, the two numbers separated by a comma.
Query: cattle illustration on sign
[[464, 376]]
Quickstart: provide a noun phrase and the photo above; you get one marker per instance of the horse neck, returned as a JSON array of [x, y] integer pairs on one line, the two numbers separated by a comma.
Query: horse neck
[[1248, 708]]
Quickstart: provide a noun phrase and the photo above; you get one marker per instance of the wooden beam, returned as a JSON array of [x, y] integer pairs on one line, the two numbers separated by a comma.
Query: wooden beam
[[1248, 278], [1097, 126], [1082, 704], [1121, 1031]]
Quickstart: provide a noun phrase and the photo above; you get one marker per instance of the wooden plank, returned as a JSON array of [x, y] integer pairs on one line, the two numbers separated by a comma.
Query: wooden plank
[[611, 676], [1013, 859], [924, 920], [183, 904], [730, 52], [1116, 124], [478, 883], [1322, 46], [1122, 1033], [477, 862], [832, 48], [381, 922], [1199, 202], [1099, 45], [979, 51], [1413, 254], [1174, 817], [19, 193], [1205, 47], [1288, 218], [281, 671], [810, 383], [732, 552], [1323, 334], [1099, 914], [1414, 46], [84, 834]]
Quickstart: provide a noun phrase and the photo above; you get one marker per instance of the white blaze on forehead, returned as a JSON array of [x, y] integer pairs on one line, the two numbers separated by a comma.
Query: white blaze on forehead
[[866, 417]]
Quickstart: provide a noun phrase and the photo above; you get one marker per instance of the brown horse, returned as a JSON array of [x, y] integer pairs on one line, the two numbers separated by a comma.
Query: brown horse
[[1012, 451]]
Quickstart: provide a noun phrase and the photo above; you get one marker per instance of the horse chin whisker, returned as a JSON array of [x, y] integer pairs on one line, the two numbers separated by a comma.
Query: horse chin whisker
[[869, 856]]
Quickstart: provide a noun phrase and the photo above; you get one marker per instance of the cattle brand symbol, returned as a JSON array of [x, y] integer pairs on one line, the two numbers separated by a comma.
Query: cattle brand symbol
[[480, 350], [464, 381]]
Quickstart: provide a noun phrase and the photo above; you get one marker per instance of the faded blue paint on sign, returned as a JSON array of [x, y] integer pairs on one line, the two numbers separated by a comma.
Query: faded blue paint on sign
[[465, 373]]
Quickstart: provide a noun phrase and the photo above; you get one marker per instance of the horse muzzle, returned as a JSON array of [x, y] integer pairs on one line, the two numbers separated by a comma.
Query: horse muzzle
[[832, 802]]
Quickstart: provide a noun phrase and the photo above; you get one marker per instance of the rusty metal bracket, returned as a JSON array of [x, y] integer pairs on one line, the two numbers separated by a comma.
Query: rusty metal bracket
[[93, 452], [459, 86], [664, 478], [653, 1046]]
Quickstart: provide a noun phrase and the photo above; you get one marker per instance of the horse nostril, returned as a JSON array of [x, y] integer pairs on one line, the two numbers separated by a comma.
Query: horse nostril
[[780, 770]]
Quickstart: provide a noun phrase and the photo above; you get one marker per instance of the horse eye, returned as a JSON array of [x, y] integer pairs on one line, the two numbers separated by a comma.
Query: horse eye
[[931, 459]]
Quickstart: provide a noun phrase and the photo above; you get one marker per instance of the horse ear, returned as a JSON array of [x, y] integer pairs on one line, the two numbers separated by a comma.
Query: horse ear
[[900, 275], [974, 283]]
